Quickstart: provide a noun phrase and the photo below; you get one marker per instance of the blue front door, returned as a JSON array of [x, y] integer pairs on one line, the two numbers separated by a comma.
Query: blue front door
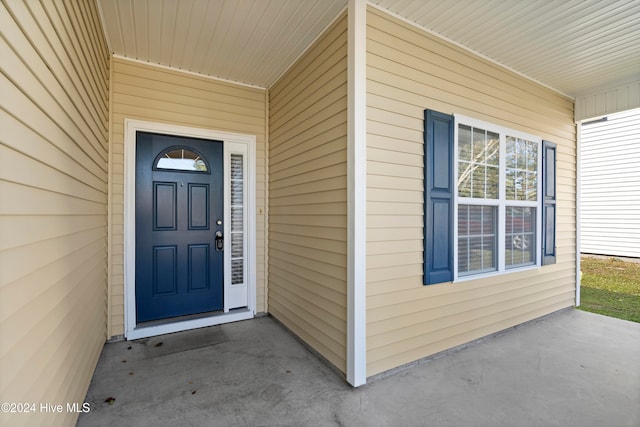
[[179, 225]]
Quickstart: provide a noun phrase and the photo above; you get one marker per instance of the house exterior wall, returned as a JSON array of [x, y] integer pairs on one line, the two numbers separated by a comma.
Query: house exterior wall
[[409, 70], [610, 101], [609, 182], [53, 204], [308, 196], [149, 93]]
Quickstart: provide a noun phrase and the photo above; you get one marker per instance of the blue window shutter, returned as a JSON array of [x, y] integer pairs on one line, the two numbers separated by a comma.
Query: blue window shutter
[[548, 203], [438, 197]]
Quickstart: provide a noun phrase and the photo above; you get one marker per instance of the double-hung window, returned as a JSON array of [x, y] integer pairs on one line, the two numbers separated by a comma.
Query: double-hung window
[[496, 199], [489, 199]]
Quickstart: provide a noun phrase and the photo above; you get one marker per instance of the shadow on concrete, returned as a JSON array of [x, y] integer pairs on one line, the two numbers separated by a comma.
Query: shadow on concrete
[[569, 369]]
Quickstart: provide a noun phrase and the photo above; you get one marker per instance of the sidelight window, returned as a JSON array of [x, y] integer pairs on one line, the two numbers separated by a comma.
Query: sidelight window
[[237, 219]]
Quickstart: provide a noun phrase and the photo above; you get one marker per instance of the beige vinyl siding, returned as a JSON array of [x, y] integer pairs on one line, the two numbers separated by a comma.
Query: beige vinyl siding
[[53, 204], [409, 70], [155, 94], [308, 197]]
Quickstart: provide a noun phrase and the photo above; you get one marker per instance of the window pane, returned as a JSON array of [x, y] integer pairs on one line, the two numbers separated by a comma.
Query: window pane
[[464, 179], [493, 178], [478, 181], [510, 161], [521, 185], [463, 254], [521, 154], [475, 220], [237, 272], [479, 145], [531, 191], [237, 219], [493, 148], [520, 238], [236, 167], [463, 219], [237, 245], [237, 192], [181, 159], [476, 239], [475, 254], [478, 163], [488, 220], [532, 157], [510, 184], [488, 253], [521, 169], [464, 143]]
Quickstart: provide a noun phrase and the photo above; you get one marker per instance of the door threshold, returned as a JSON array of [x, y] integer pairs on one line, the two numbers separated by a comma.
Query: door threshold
[[177, 319], [185, 323]]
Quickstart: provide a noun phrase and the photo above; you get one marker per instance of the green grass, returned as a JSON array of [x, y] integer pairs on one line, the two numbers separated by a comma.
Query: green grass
[[610, 287]]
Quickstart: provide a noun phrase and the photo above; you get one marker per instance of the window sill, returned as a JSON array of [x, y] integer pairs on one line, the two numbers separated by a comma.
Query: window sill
[[495, 273]]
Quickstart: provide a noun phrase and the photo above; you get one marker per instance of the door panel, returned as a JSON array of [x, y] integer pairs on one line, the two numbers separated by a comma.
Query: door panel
[[179, 201], [164, 270], [164, 206], [198, 207], [199, 267]]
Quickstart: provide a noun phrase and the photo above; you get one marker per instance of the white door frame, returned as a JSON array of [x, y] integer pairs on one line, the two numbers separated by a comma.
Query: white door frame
[[233, 144]]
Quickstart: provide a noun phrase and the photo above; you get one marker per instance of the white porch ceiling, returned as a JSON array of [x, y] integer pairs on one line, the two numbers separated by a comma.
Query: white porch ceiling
[[573, 46], [246, 41]]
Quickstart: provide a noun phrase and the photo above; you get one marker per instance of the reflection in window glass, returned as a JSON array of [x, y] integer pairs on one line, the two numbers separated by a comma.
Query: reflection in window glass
[[478, 163], [521, 169], [520, 236], [476, 239], [181, 159]]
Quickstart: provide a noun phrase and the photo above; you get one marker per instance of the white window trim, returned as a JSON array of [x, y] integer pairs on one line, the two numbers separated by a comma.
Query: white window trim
[[501, 202], [233, 143]]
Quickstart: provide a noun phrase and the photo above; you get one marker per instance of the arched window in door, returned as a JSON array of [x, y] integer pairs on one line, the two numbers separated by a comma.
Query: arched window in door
[[181, 159]]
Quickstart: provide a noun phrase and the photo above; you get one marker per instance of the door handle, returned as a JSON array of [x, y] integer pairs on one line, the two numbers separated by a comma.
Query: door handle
[[219, 241]]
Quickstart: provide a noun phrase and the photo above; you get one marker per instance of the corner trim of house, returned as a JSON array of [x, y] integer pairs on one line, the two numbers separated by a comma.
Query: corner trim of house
[[356, 191], [578, 272], [109, 328], [232, 142]]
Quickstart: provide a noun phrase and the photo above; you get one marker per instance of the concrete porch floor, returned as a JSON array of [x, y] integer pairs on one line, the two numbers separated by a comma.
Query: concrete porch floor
[[571, 368]]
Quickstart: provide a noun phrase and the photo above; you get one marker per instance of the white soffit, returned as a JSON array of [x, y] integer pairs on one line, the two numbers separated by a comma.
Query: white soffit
[[573, 46], [577, 47], [246, 41]]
